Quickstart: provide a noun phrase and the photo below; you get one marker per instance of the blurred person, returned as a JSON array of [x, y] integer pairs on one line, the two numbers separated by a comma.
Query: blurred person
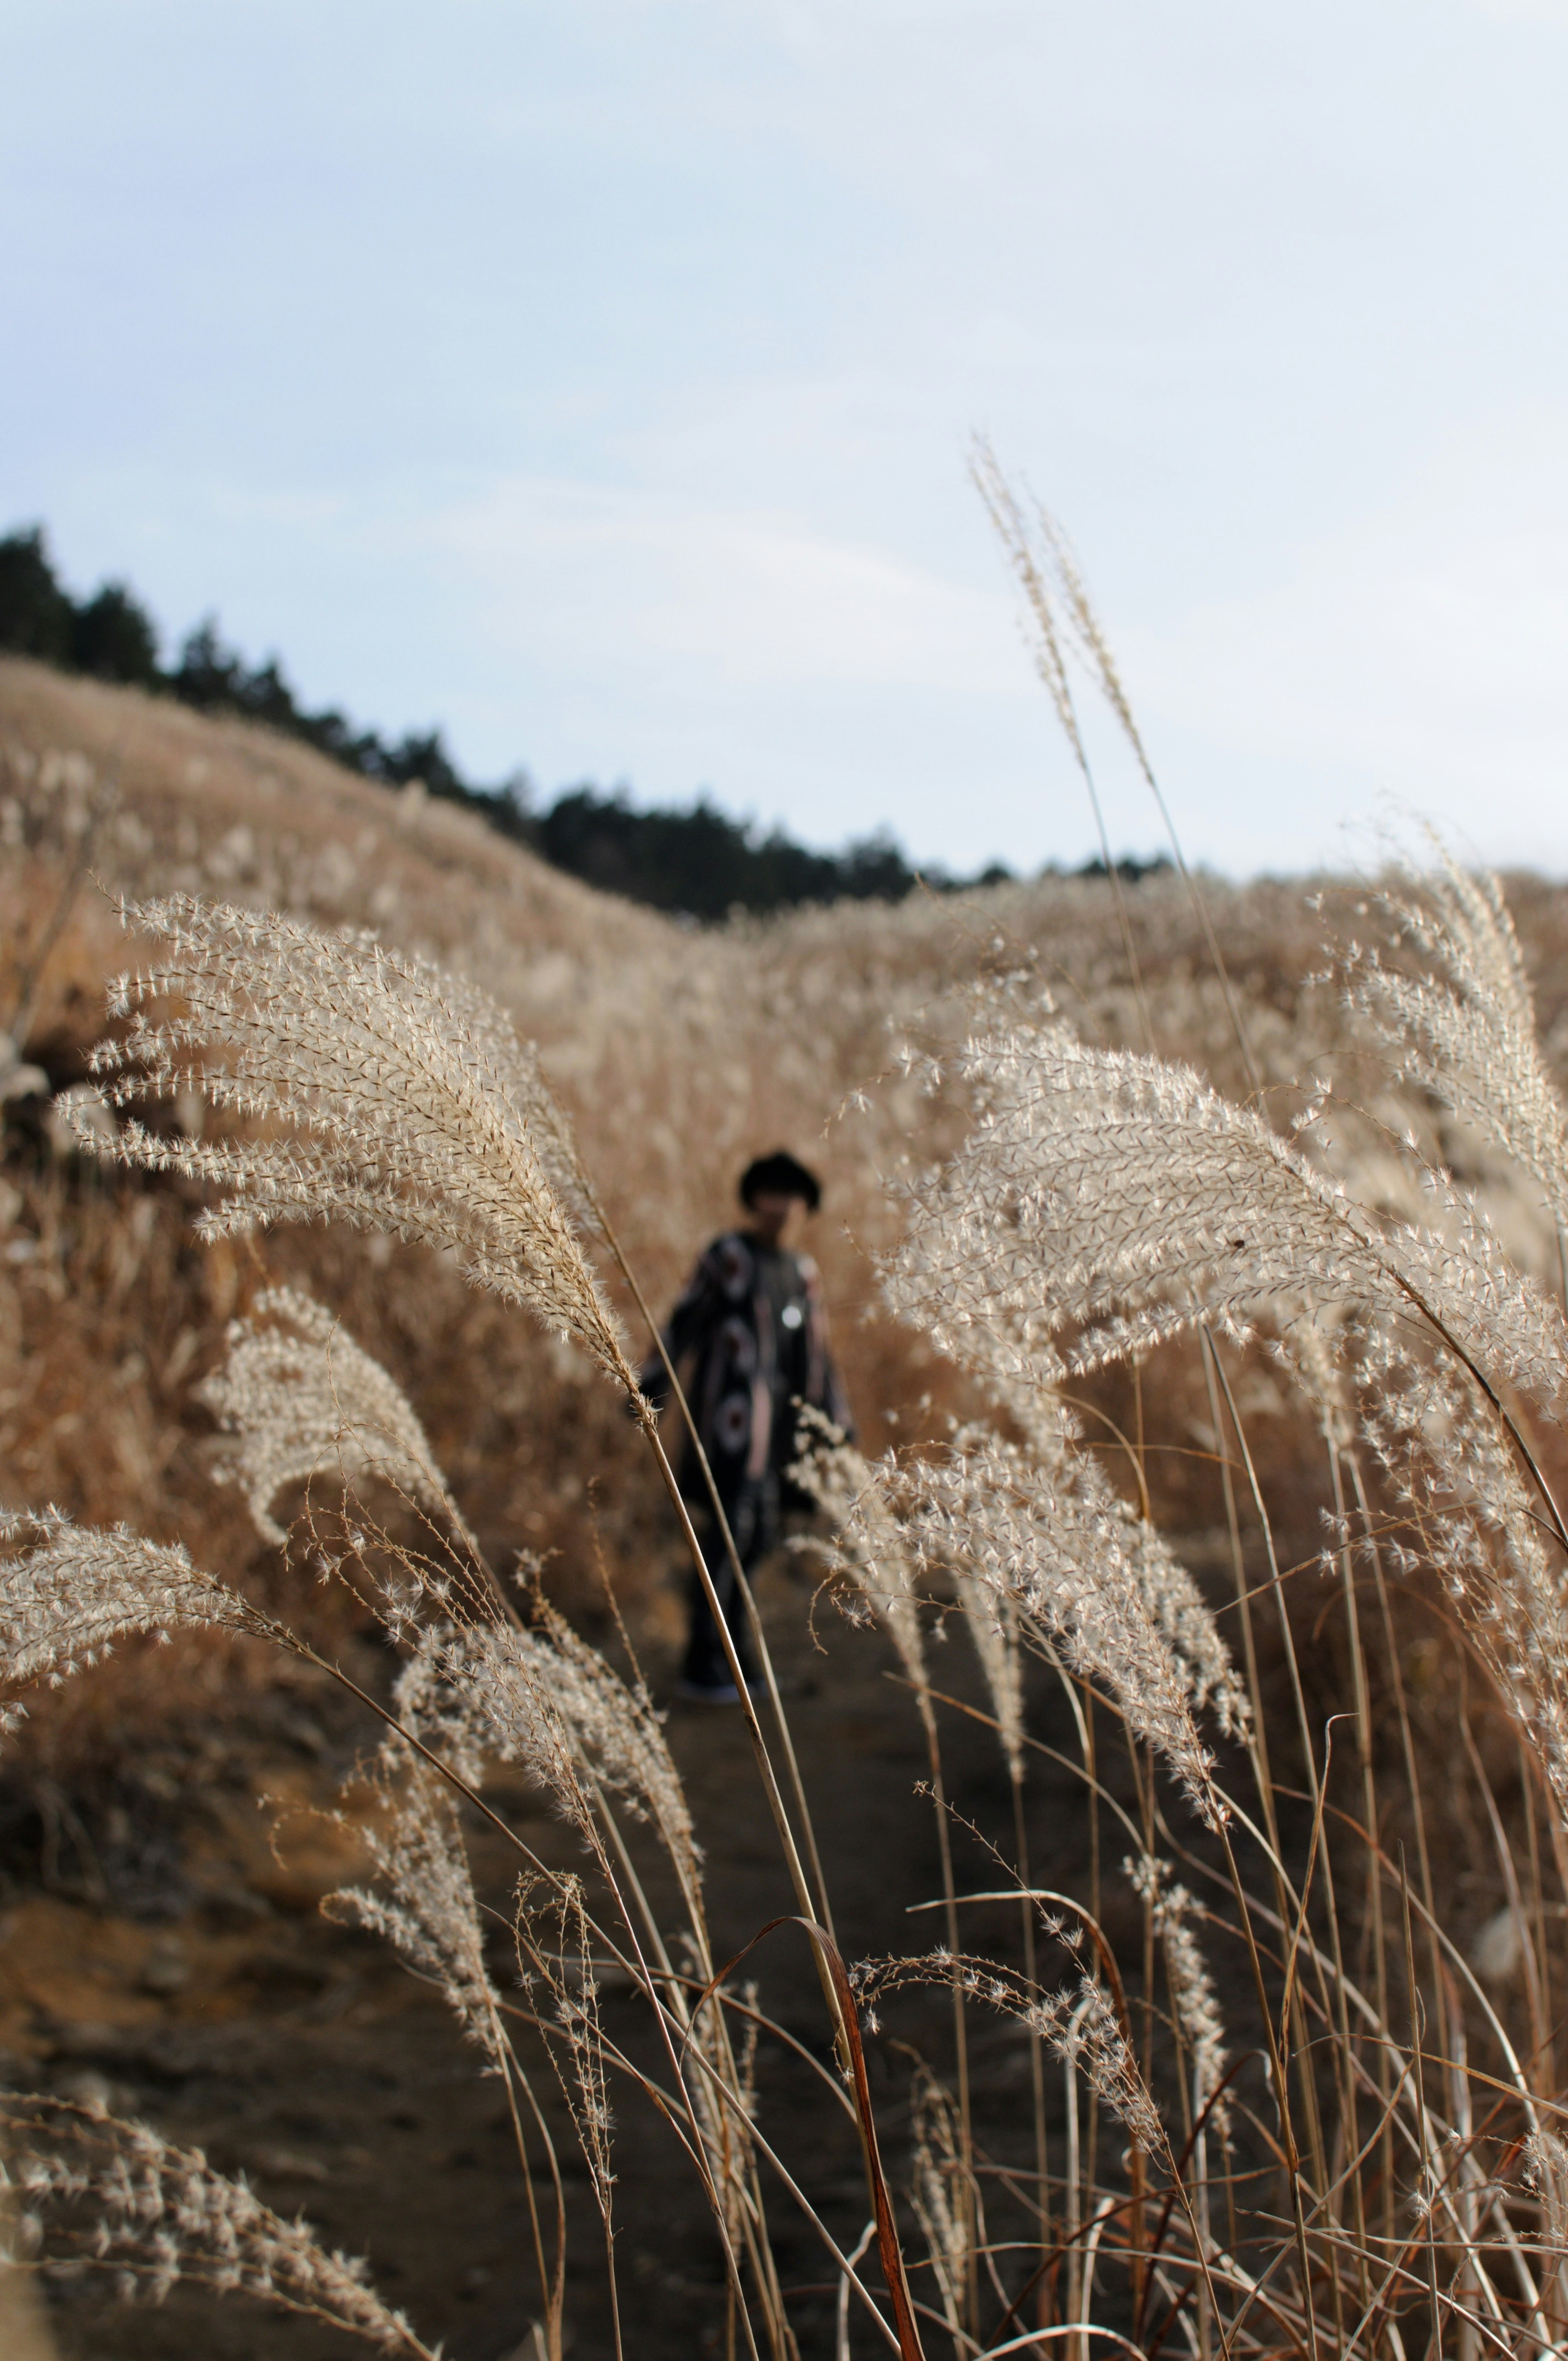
[[749, 1342]]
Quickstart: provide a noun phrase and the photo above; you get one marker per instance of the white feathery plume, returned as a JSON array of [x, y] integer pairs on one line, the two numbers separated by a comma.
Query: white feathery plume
[[1087, 2033], [566, 1715], [1480, 1531], [1545, 2162], [433, 1699], [164, 2215], [617, 1735], [576, 1993], [935, 2196], [952, 1503], [1311, 1351], [724, 2098], [867, 1545], [65, 1601], [1075, 1562], [1060, 608], [362, 1085], [1471, 1041], [295, 1392], [1175, 1605], [1064, 618], [424, 1904], [1080, 2027], [1193, 1994], [1034, 566], [1118, 1201], [1061, 1551], [991, 1617], [542, 1698]]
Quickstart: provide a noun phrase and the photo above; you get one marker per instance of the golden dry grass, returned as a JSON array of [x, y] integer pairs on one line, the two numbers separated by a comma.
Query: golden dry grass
[[679, 1053]]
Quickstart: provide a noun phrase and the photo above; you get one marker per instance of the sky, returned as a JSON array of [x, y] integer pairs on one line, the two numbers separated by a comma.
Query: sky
[[596, 380]]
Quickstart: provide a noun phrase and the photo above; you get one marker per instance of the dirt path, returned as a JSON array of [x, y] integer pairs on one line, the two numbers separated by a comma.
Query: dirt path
[[299, 2052]]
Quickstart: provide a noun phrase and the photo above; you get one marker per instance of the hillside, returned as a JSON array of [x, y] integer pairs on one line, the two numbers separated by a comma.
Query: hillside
[[695, 859], [679, 1052], [163, 1844]]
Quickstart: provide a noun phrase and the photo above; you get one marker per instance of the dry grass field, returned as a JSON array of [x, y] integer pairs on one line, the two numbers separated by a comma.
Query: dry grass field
[[172, 1818], [680, 1054]]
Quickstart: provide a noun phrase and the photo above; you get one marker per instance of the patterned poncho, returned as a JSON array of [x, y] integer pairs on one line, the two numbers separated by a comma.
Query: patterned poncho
[[752, 1328]]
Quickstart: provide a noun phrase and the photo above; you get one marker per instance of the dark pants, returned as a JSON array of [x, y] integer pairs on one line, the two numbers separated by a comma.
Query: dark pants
[[753, 1520]]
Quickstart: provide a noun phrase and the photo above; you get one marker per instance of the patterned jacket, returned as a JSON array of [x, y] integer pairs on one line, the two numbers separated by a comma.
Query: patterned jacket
[[751, 1326]]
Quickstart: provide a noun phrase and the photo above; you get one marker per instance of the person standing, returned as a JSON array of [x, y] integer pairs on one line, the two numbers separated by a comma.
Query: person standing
[[749, 1340]]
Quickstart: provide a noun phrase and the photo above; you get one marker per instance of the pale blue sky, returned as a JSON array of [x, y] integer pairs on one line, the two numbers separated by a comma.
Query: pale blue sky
[[595, 378]]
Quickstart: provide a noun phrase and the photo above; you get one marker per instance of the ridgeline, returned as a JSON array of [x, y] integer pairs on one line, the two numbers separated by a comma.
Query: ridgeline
[[695, 860]]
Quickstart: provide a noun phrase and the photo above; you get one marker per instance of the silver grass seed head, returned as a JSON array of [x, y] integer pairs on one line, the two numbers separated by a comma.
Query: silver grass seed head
[[1082, 2026], [935, 2193], [617, 1735], [1119, 1202], [1031, 556], [423, 1900], [1087, 2034], [1452, 1468], [868, 1547], [296, 1393], [358, 1085], [544, 1699], [581, 2073], [1193, 1995], [163, 2215], [990, 1616], [65, 1600], [1060, 1547], [1467, 1033]]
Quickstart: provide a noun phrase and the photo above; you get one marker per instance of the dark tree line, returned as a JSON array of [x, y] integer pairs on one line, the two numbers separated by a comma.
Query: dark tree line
[[698, 861], [110, 635]]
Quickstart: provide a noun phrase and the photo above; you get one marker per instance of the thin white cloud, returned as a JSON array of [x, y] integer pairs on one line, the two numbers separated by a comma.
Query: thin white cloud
[[609, 582], [1526, 12], [1423, 651]]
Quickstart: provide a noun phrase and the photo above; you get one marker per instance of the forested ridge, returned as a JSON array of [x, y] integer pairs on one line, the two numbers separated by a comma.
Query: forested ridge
[[695, 859]]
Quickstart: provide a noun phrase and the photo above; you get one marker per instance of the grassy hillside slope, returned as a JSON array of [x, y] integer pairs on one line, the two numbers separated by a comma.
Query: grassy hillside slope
[[165, 1828], [680, 1052]]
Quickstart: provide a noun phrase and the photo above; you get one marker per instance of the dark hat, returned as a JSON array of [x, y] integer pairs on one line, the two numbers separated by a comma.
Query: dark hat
[[780, 1175]]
